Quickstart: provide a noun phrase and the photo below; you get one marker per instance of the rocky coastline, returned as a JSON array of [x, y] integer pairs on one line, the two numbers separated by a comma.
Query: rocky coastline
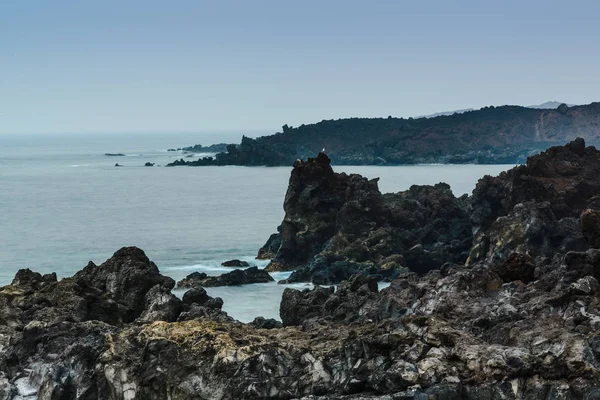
[[491, 135], [492, 296], [198, 148]]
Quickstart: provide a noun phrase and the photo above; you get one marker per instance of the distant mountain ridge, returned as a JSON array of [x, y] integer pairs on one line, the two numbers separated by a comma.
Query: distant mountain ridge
[[550, 105], [445, 113], [546, 105], [491, 135]]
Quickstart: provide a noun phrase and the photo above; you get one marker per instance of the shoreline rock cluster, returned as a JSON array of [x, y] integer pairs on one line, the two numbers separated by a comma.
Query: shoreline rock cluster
[[234, 278], [514, 316]]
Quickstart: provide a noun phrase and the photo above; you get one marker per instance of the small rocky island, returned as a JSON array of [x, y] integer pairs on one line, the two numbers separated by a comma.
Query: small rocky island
[[492, 296], [234, 278], [198, 148]]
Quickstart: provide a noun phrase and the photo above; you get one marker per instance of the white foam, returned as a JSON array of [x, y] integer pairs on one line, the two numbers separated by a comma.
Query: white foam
[[215, 267], [202, 155]]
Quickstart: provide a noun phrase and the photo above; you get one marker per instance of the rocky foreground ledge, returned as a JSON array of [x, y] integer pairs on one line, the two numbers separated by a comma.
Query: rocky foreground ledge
[[115, 331], [520, 319]]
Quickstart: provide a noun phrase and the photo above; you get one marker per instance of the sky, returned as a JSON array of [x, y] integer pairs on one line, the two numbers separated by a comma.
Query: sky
[[210, 66]]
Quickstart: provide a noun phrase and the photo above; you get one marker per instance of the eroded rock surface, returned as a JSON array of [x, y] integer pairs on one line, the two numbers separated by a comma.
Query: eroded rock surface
[[337, 225], [535, 208], [459, 332]]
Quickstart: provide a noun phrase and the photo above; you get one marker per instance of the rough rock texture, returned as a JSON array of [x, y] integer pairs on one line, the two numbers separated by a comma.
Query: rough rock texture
[[456, 333], [235, 263], [498, 338], [331, 305], [193, 280], [53, 333], [265, 323], [233, 278], [590, 227], [269, 250], [198, 305], [535, 209], [127, 277], [337, 225]]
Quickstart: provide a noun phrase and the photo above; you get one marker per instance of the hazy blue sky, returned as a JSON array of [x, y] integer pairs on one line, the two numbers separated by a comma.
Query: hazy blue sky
[[162, 66]]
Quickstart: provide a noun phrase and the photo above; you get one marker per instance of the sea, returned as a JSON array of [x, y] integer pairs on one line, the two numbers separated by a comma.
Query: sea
[[64, 203]]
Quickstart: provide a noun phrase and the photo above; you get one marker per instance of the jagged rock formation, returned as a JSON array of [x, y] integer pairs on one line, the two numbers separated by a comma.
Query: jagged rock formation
[[491, 135], [337, 225], [535, 208]]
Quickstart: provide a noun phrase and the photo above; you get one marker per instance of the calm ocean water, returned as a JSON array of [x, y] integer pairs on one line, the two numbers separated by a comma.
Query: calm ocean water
[[63, 203]]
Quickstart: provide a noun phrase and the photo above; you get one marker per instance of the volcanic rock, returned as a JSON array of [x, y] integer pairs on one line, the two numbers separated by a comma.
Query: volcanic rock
[[459, 332], [337, 225], [535, 208], [269, 250], [127, 277], [590, 227], [235, 263], [264, 323], [193, 280], [233, 278]]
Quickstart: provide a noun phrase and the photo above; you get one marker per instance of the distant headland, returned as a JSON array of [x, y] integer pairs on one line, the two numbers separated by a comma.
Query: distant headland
[[491, 135]]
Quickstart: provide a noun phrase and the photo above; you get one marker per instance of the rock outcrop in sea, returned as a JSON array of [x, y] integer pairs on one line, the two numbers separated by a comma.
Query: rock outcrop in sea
[[235, 263], [337, 225], [519, 320], [234, 278]]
